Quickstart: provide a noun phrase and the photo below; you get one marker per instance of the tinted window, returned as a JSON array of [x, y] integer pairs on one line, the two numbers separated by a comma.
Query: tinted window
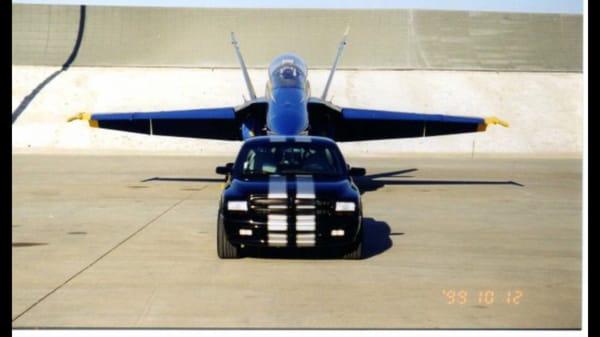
[[257, 160]]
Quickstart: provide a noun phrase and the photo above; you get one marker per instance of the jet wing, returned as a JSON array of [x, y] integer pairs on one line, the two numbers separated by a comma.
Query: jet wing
[[361, 124], [217, 123]]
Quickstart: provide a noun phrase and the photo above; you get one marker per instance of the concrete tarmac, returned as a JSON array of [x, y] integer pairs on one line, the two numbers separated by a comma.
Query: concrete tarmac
[[451, 242]]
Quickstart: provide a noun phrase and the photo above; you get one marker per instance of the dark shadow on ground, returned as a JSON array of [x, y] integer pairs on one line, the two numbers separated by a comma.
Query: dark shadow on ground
[[396, 174], [28, 244], [371, 182], [376, 240], [198, 180]]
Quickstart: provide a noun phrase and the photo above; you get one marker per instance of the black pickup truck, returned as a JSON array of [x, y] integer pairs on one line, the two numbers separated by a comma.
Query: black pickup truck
[[289, 192]]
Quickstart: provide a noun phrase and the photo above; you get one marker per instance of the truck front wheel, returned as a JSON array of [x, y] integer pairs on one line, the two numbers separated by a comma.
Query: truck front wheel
[[225, 249], [355, 250]]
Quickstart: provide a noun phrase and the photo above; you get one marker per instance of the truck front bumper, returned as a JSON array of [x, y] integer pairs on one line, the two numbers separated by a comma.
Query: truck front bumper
[[333, 231]]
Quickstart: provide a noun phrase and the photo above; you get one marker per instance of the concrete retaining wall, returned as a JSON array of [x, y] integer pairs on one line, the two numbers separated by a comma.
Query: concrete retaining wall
[[43, 35], [536, 84], [379, 39]]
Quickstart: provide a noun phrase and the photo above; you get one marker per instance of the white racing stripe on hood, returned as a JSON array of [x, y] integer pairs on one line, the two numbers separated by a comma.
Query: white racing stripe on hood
[[305, 223], [277, 222], [307, 239], [277, 187], [302, 139], [277, 139], [274, 239], [305, 187]]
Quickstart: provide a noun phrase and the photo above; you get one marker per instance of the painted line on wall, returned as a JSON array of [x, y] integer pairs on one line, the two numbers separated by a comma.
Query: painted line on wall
[[29, 98]]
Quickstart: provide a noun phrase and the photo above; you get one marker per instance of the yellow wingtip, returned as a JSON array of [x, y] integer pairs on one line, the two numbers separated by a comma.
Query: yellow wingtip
[[496, 120], [491, 121], [84, 116]]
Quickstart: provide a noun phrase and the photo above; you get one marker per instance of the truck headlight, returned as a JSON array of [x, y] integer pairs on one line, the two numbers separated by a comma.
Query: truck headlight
[[345, 206], [237, 206]]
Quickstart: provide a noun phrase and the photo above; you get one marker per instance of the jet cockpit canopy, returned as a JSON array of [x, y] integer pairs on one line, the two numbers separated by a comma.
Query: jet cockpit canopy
[[288, 71]]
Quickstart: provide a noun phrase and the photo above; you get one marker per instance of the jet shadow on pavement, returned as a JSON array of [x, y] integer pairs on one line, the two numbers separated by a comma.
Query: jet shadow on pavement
[[192, 180], [371, 182], [367, 183]]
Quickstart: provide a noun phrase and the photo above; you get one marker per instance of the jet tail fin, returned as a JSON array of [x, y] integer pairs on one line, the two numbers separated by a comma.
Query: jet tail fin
[[235, 44], [335, 62]]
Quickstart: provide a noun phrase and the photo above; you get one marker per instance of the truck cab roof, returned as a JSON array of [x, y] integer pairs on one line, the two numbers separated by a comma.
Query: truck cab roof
[[289, 139]]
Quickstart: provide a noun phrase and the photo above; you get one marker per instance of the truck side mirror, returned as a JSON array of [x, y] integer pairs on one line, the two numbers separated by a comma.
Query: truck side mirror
[[224, 170], [357, 171]]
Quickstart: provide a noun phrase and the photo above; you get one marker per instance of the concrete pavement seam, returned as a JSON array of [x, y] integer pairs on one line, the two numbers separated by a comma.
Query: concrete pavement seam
[[106, 253]]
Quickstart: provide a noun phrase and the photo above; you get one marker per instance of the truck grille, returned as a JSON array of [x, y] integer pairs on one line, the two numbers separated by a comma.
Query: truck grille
[[263, 206]]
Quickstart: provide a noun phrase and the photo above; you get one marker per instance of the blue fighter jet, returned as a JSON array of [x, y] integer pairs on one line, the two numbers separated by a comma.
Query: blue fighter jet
[[288, 109]]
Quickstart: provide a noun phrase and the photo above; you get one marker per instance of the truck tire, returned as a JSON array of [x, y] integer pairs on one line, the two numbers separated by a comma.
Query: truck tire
[[355, 252], [225, 249]]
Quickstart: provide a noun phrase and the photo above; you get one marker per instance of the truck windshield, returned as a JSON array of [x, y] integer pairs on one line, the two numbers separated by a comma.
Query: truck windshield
[[289, 158]]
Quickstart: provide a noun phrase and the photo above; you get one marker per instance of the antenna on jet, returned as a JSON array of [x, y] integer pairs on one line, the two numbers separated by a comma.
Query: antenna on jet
[[235, 44], [335, 62]]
